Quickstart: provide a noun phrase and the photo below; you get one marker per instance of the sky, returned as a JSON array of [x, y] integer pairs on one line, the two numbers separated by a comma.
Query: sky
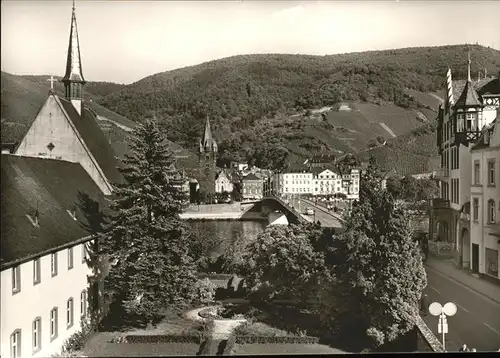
[[125, 41]]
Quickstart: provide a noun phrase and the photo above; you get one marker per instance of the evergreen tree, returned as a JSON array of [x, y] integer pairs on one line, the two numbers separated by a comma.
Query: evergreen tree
[[378, 269], [151, 267]]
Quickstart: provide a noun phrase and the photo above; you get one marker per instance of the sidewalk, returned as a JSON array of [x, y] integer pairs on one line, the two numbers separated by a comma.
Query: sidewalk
[[448, 268]]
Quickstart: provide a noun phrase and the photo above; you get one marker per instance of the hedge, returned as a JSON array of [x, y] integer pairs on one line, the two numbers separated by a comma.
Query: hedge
[[277, 340], [187, 338]]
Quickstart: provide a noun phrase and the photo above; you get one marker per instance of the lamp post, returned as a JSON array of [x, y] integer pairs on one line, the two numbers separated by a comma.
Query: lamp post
[[449, 309]]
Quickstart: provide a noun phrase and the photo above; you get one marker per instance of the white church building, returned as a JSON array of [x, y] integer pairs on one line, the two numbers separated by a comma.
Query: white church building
[[53, 187]]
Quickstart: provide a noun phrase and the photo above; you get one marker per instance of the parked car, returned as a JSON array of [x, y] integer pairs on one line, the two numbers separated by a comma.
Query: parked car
[[309, 211]]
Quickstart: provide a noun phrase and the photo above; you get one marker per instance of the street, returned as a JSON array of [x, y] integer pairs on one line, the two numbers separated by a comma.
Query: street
[[325, 219], [477, 321]]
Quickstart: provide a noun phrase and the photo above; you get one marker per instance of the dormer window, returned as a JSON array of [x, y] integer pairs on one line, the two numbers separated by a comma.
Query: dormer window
[[72, 213], [33, 218]]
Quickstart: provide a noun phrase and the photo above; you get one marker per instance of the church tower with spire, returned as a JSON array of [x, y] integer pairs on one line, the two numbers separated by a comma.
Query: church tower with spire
[[73, 79], [208, 158], [65, 129]]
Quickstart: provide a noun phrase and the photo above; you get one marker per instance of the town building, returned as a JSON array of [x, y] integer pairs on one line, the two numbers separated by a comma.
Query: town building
[[469, 107], [53, 195], [207, 161], [297, 179], [47, 212], [252, 187], [485, 202]]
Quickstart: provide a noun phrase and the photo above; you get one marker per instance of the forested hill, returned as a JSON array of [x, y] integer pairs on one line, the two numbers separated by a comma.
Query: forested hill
[[238, 92]]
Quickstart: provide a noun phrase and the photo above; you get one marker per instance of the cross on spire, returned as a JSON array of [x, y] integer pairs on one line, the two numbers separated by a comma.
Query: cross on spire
[[51, 79]]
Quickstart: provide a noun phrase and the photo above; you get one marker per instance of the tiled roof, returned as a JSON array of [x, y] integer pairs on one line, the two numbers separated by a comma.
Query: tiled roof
[[52, 187], [95, 140], [251, 177], [469, 96]]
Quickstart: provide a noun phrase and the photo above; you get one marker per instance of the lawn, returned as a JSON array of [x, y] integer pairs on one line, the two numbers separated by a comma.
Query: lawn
[[287, 348]]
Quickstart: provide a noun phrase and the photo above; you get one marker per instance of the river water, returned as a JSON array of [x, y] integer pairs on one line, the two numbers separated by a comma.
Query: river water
[[225, 232]]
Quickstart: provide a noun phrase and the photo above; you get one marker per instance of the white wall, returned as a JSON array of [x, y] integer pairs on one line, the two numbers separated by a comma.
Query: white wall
[[52, 126], [18, 311]]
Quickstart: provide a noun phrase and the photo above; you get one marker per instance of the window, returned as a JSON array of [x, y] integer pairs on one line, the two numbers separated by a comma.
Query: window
[[70, 258], [16, 279], [37, 334], [53, 264], [460, 122], [69, 313], [477, 171], [83, 304], [53, 323], [36, 271], [84, 253], [491, 262], [15, 344], [491, 211], [491, 172], [475, 209]]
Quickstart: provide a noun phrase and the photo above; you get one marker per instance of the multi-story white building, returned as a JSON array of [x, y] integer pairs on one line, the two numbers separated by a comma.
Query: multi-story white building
[[317, 182], [46, 232], [469, 107], [485, 202], [53, 191], [328, 182], [296, 181]]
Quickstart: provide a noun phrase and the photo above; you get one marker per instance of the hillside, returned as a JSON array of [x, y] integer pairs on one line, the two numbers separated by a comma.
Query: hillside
[[22, 97], [253, 99]]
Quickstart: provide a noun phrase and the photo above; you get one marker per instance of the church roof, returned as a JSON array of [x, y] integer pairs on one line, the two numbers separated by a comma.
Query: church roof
[[73, 61], [50, 187], [469, 96], [95, 140]]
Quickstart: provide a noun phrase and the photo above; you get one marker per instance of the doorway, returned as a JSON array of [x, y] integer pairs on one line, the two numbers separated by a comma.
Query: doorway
[[475, 258]]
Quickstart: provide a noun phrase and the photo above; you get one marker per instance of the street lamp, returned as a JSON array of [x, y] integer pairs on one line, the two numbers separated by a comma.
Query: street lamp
[[449, 309]]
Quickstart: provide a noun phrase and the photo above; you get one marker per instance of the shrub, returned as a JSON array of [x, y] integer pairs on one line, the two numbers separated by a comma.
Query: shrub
[[276, 340], [77, 341], [187, 338], [205, 291], [229, 349]]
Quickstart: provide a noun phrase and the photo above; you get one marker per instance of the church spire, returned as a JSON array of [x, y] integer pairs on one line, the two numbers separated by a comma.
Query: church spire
[[207, 143], [73, 79]]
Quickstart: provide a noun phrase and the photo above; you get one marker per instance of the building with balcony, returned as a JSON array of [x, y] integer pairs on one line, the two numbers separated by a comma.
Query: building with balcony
[[469, 107], [485, 203]]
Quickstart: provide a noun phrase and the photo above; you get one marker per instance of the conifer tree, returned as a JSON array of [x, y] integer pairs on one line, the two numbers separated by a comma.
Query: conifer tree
[[151, 267], [378, 268]]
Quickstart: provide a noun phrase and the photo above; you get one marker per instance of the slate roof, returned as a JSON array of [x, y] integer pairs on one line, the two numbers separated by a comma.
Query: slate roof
[[480, 143], [459, 85], [251, 177], [95, 140], [52, 186], [491, 87], [469, 96], [317, 170], [323, 158]]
